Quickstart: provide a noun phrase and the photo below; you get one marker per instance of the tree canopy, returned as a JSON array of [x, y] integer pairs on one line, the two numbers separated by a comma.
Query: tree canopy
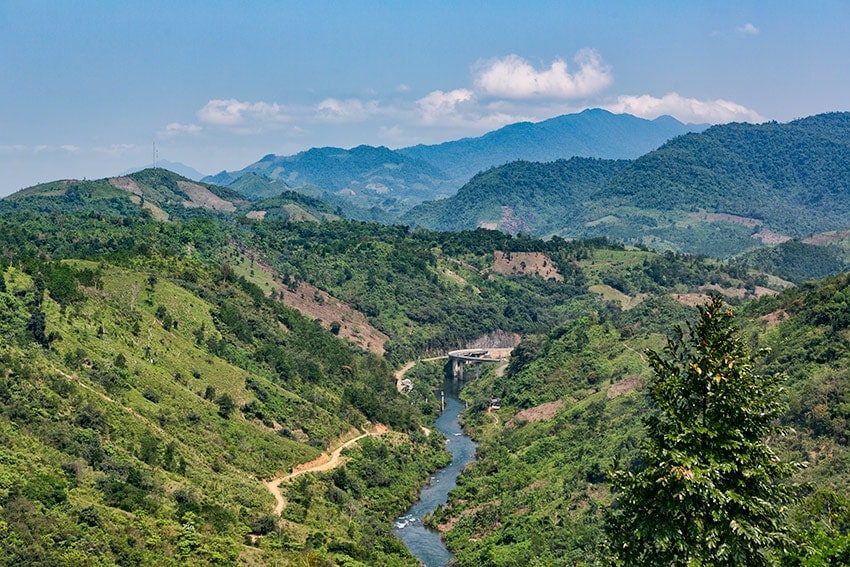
[[707, 489]]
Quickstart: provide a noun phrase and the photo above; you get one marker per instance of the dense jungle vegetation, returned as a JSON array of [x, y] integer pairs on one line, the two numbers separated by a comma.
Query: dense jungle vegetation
[[153, 376]]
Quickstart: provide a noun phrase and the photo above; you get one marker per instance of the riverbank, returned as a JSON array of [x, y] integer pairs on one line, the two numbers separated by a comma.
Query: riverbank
[[423, 542]]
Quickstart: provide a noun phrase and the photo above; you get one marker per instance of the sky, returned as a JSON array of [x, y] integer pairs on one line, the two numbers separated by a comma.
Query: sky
[[87, 88]]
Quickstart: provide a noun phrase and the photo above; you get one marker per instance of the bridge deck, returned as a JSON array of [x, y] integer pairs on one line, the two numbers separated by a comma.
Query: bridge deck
[[480, 354]]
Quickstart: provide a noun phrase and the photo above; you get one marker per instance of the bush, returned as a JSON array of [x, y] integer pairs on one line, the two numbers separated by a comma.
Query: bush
[[226, 405]]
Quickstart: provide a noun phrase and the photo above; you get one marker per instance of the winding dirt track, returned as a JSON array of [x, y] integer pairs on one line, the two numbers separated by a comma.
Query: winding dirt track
[[324, 462]]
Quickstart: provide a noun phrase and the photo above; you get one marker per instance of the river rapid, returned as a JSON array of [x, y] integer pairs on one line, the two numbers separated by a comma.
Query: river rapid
[[423, 542]]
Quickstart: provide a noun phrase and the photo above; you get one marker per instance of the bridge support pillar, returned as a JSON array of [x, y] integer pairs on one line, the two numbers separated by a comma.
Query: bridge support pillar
[[457, 369]]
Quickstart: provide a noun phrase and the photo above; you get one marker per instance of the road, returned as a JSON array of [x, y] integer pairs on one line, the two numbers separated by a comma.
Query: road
[[399, 374], [324, 462]]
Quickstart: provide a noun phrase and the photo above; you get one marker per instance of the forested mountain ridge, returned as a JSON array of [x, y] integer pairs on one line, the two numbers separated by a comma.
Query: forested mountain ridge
[[592, 133], [539, 198], [160, 193], [364, 176], [395, 180], [793, 177], [722, 191]]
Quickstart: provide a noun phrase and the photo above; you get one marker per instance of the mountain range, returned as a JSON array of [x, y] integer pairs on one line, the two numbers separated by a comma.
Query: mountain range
[[722, 191], [178, 357], [726, 191], [395, 180]]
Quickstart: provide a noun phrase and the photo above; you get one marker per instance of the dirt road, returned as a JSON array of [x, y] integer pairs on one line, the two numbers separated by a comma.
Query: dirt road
[[324, 462], [399, 374]]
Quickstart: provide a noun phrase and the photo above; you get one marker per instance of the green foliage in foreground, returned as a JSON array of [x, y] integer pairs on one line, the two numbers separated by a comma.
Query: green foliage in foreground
[[141, 407], [708, 489], [572, 403]]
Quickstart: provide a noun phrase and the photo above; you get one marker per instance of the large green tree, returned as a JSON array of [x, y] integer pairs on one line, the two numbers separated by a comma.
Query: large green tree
[[707, 490]]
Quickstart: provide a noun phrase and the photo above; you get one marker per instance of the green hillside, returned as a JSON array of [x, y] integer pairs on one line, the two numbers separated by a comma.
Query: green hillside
[[571, 406], [534, 198], [149, 391], [165, 356], [364, 176], [793, 177], [722, 192]]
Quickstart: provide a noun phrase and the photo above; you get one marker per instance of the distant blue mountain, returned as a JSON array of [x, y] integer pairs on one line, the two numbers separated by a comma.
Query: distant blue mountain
[[592, 133], [396, 180]]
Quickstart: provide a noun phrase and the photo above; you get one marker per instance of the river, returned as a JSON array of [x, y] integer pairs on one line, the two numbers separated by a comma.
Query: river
[[423, 542]]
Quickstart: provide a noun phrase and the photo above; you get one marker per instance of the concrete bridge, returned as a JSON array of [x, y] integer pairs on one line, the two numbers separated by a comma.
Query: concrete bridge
[[460, 358]]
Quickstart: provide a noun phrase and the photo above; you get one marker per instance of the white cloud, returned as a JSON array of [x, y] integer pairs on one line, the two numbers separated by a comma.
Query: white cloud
[[69, 148], [513, 77], [349, 110], [394, 132], [402, 88], [438, 105], [176, 128], [717, 111], [462, 109], [749, 29], [236, 113]]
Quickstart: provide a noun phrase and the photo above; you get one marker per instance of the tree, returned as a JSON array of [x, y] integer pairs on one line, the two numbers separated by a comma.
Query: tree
[[707, 489], [38, 327], [226, 405]]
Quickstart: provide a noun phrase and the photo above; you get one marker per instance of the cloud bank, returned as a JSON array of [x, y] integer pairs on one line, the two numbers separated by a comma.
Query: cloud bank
[[176, 128], [438, 106], [232, 112], [343, 111], [513, 77], [500, 91], [749, 29], [684, 109]]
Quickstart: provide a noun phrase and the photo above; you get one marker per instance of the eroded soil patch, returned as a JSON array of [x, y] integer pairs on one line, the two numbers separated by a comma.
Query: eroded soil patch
[[525, 263]]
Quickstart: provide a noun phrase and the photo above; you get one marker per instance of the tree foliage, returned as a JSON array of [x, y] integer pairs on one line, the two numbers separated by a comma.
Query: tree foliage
[[708, 489]]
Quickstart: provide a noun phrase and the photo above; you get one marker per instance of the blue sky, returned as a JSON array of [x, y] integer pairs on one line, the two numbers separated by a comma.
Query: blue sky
[[87, 87]]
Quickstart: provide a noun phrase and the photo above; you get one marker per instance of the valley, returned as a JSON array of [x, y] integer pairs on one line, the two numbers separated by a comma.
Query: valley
[[193, 375]]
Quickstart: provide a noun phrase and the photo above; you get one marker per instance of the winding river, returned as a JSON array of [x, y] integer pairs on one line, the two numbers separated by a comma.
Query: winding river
[[423, 542]]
